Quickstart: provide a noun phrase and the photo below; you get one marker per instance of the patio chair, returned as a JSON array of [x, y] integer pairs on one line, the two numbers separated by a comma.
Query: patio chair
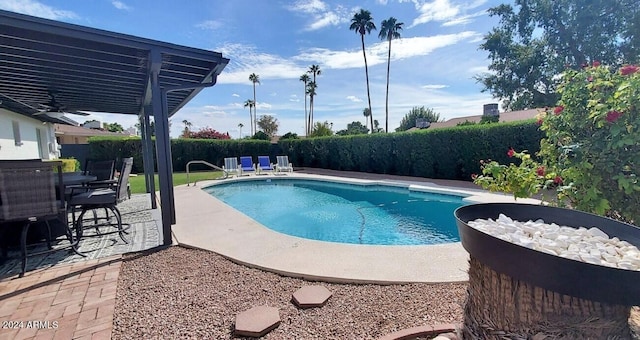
[[107, 198], [264, 165], [246, 165], [283, 164], [104, 170], [28, 196], [231, 166]]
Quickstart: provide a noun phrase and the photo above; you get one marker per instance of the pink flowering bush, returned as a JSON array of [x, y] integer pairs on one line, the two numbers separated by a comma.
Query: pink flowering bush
[[591, 153]]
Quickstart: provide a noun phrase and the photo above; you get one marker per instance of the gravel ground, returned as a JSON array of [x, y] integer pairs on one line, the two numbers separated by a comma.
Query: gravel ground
[[186, 293]]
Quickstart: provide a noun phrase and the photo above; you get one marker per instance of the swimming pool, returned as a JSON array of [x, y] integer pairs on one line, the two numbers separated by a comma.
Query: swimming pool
[[345, 213]]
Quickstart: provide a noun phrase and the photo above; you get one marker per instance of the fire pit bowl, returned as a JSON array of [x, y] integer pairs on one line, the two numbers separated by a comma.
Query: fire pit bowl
[[570, 277]]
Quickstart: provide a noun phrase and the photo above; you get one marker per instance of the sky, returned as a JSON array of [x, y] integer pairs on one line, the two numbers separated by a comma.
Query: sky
[[433, 64]]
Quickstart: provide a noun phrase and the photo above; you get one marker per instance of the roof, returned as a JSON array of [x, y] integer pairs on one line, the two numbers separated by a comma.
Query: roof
[[82, 131], [77, 68], [510, 116]]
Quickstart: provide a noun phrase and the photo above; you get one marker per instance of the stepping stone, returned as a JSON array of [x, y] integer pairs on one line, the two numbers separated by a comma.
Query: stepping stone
[[311, 296], [257, 321]]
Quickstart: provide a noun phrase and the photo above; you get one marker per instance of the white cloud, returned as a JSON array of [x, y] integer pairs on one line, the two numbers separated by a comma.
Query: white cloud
[[464, 19], [209, 25], [36, 8], [245, 59], [120, 5], [446, 12], [377, 53], [434, 87], [321, 14], [235, 95], [308, 6], [354, 99], [382, 2]]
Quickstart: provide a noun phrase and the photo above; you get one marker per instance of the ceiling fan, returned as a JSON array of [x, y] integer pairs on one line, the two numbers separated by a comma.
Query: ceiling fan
[[54, 108]]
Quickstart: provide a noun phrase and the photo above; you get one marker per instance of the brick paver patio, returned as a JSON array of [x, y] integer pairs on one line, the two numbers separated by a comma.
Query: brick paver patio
[[73, 301]]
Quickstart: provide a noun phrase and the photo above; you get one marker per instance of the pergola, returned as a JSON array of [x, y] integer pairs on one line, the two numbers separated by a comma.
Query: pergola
[[77, 68]]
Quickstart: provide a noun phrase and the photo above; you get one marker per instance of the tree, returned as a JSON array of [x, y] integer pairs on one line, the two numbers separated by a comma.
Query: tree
[[353, 128], [313, 70], [409, 120], [187, 131], [250, 103], [152, 127], [260, 135], [209, 133], [269, 125], [113, 127], [366, 113], [255, 79], [305, 79], [240, 126], [311, 91], [289, 135], [389, 30], [321, 130], [539, 40], [362, 23], [376, 126]]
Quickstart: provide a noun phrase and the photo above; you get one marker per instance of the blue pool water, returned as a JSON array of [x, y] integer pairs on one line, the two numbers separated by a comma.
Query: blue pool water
[[345, 213]]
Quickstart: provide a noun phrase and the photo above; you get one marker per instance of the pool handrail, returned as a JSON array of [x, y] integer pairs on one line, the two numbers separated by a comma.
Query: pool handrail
[[225, 172]]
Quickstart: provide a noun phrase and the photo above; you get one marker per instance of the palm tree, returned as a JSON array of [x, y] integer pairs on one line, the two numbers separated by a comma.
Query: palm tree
[[314, 70], [250, 103], [187, 126], [389, 30], [254, 78], [240, 126], [311, 91], [305, 78], [362, 23], [366, 113]]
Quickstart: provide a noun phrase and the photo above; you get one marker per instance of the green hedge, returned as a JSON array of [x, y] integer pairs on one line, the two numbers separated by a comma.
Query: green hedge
[[448, 153], [182, 150]]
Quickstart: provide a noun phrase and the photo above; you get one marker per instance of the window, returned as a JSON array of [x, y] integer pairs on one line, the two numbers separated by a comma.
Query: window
[[16, 133], [40, 144]]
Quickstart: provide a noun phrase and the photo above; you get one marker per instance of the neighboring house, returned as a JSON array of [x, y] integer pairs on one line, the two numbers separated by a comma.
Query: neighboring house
[[68, 134], [510, 116], [27, 137]]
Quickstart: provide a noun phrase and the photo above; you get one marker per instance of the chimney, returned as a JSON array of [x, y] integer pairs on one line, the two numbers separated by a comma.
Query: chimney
[[490, 109]]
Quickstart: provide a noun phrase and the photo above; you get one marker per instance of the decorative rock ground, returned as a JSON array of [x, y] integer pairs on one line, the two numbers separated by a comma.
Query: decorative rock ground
[[311, 296], [257, 321]]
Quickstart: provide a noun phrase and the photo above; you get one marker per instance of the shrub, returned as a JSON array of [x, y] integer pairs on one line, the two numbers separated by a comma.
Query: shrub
[[592, 145]]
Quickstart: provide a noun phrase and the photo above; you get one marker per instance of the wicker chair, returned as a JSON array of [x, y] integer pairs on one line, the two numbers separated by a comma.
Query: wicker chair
[[107, 198], [28, 196]]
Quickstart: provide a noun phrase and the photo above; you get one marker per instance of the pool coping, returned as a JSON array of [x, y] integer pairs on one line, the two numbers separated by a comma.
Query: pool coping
[[204, 222]]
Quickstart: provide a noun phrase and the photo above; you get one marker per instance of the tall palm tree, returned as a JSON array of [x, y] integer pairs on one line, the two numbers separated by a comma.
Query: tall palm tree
[[389, 30], [250, 103], [305, 78], [362, 23], [311, 91], [240, 126], [187, 128], [315, 71], [366, 113], [254, 78]]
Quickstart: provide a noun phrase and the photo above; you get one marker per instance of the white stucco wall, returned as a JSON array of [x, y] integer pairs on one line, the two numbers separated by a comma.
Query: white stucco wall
[[30, 149]]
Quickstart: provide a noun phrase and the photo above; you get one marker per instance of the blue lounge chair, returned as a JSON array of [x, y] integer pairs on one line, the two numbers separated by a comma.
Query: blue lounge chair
[[231, 166], [283, 164], [246, 165], [264, 165]]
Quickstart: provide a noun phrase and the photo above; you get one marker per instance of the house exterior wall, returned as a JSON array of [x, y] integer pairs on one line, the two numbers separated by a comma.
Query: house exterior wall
[[37, 139]]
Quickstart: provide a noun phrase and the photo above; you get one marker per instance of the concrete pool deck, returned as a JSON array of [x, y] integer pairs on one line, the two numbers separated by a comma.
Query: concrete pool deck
[[202, 221]]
